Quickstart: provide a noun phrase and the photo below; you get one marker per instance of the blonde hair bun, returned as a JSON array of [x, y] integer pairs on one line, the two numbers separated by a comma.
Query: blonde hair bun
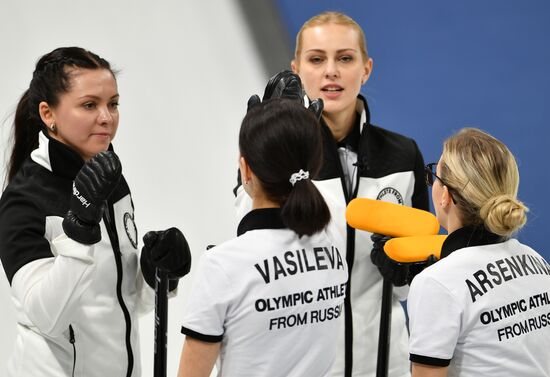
[[503, 214]]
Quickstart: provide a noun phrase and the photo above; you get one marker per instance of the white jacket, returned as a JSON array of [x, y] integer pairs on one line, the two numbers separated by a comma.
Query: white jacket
[[77, 305]]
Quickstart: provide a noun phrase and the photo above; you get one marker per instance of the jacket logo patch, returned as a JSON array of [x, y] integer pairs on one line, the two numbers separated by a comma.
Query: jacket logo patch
[[389, 194], [131, 229]]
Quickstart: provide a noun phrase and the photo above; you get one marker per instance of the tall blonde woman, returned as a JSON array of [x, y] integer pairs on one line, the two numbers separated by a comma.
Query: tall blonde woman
[[361, 160], [484, 308]]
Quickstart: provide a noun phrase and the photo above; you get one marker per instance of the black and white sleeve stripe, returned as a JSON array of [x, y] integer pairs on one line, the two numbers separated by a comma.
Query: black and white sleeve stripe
[[202, 337], [426, 360]]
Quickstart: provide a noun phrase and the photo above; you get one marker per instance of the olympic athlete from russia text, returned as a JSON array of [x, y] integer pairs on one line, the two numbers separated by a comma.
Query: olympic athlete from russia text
[[484, 308], [270, 302]]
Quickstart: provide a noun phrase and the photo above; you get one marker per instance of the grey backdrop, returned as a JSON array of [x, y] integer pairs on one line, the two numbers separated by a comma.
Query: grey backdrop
[[187, 69]]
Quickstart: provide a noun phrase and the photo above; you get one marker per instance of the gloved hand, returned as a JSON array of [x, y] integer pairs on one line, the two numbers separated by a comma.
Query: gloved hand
[[286, 84], [394, 271], [93, 184], [317, 106], [168, 251]]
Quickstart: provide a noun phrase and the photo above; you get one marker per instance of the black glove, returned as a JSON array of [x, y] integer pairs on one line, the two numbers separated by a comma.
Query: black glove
[[317, 106], [286, 84], [168, 251], [394, 271], [93, 184]]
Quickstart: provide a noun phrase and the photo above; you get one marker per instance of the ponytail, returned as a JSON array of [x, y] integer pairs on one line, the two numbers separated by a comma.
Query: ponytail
[[25, 135], [281, 141], [305, 211]]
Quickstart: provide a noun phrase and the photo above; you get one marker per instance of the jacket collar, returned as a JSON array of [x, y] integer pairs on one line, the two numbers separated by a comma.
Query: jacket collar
[[351, 141], [469, 236], [263, 218], [363, 109], [57, 157], [331, 166]]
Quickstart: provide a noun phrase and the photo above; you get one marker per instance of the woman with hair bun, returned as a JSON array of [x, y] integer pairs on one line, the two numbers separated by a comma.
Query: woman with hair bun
[[484, 309], [269, 302]]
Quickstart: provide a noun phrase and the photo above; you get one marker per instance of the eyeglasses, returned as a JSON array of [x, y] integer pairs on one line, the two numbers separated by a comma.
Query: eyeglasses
[[430, 170], [431, 177]]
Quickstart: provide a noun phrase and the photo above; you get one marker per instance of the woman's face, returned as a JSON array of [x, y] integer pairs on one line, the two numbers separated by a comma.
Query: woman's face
[[86, 117], [331, 66]]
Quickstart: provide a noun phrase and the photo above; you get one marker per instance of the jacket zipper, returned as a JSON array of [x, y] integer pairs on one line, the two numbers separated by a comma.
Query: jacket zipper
[[72, 341], [350, 248], [111, 230]]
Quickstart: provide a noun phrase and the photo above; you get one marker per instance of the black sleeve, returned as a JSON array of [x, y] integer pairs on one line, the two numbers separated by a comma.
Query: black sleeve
[[22, 230]]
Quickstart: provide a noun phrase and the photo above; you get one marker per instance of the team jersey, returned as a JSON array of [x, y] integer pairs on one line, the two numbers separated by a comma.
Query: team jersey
[[482, 310], [274, 299]]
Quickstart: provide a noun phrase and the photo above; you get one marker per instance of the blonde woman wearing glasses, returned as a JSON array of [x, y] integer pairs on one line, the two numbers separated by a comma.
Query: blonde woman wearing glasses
[[483, 309]]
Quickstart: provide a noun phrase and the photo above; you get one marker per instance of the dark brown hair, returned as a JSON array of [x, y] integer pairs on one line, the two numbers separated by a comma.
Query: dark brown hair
[[50, 79], [280, 137]]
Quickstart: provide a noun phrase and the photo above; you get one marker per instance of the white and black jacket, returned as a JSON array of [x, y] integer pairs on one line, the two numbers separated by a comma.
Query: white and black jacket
[[385, 166], [483, 309], [76, 305]]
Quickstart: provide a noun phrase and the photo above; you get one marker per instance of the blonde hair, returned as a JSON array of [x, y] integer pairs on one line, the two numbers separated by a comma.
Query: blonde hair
[[483, 177], [332, 18]]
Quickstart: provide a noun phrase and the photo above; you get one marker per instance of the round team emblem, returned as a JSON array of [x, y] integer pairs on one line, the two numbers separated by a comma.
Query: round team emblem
[[131, 229], [389, 194]]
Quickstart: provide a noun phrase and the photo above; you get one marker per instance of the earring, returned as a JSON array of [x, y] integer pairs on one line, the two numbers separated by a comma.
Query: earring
[[52, 127]]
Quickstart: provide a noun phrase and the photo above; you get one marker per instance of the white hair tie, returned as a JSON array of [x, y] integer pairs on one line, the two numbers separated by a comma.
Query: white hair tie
[[298, 176]]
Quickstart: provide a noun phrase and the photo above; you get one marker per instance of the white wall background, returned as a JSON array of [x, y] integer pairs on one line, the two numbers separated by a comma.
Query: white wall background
[[187, 69]]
